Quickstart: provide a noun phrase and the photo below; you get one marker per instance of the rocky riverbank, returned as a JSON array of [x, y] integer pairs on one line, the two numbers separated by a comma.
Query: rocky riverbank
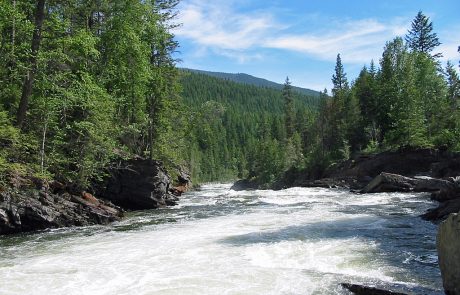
[[418, 170], [29, 204], [36, 206]]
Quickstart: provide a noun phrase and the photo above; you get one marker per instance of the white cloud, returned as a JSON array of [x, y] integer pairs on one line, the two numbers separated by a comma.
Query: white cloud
[[218, 27], [450, 42], [358, 41]]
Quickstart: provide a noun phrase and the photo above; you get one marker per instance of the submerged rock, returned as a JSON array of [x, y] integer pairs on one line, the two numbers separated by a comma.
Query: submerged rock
[[364, 290], [244, 184], [448, 245]]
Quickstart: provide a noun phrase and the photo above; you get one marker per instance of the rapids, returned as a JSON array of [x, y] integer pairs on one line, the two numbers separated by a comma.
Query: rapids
[[219, 241]]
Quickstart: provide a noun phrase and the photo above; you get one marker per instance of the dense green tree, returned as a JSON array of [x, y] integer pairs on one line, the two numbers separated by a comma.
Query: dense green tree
[[453, 84], [288, 108], [420, 37], [235, 126], [365, 91], [79, 77]]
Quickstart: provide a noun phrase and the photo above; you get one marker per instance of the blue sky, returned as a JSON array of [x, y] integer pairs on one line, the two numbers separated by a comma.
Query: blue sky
[[273, 39]]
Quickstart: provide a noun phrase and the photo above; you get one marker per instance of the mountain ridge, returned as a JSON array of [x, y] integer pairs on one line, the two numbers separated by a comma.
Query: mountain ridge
[[252, 80]]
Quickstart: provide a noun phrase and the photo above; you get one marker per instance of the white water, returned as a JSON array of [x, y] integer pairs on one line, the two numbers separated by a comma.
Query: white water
[[218, 241]]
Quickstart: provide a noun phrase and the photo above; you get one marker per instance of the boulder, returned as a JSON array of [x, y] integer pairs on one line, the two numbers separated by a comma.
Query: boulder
[[140, 184], [387, 182], [183, 183], [405, 161], [448, 245], [447, 167], [244, 184], [365, 290], [449, 192], [442, 211], [31, 209]]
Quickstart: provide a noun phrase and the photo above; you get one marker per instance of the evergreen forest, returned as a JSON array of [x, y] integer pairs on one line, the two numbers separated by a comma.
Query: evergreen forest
[[86, 83]]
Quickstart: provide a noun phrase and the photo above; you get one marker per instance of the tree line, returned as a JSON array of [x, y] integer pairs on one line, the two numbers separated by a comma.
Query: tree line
[[237, 130], [408, 100], [85, 81]]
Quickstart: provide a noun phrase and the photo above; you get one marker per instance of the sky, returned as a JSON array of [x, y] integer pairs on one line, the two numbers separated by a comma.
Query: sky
[[273, 39]]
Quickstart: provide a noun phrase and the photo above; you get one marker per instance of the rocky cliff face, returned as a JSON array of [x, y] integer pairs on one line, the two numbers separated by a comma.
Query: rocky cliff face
[[140, 184], [31, 204], [30, 209], [448, 244]]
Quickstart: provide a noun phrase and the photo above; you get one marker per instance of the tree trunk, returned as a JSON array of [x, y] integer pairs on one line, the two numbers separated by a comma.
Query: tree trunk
[[29, 79], [150, 139], [13, 31], [42, 149]]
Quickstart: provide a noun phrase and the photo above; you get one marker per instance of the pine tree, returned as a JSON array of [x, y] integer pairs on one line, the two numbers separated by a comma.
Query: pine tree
[[288, 108], [339, 79], [420, 37]]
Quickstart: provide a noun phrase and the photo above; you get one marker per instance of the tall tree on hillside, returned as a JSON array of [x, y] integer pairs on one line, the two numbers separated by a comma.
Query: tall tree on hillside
[[365, 91], [339, 79], [288, 108], [453, 83], [30, 76], [401, 113], [420, 37]]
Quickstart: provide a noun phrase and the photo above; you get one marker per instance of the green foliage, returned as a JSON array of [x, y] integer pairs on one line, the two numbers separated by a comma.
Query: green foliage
[[235, 127], [104, 82], [288, 109], [420, 37]]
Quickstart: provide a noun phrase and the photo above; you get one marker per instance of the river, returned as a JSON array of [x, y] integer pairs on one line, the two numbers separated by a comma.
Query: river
[[218, 241]]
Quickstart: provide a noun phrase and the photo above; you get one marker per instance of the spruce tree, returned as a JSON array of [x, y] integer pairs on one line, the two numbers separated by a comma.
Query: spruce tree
[[339, 79], [420, 37], [288, 108]]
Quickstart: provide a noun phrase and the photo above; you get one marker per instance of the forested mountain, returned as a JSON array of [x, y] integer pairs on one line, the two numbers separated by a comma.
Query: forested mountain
[[407, 100], [230, 122], [83, 83], [251, 80]]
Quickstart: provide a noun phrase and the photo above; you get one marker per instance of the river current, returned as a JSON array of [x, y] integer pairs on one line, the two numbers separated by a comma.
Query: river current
[[219, 241]]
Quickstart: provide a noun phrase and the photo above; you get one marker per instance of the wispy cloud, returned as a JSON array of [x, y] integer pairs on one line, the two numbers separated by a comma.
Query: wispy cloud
[[451, 42], [357, 41], [219, 27]]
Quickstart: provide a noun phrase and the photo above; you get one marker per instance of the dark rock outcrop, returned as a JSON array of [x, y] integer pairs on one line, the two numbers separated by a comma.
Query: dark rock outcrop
[[449, 198], [140, 184], [407, 161], [448, 193], [244, 184], [387, 182], [32, 209], [357, 172], [448, 245], [443, 210], [365, 290], [183, 183]]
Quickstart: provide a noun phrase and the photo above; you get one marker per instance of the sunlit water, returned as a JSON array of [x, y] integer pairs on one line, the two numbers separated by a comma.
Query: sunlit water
[[218, 241]]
